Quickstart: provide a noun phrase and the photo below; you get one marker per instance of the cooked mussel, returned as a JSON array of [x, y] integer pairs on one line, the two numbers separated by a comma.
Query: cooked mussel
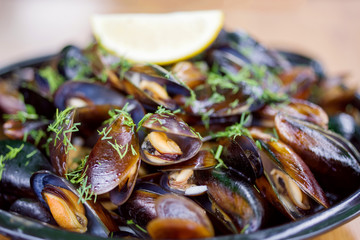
[[255, 51], [179, 217], [61, 198], [170, 140], [66, 208], [20, 160], [114, 160], [140, 207], [241, 157], [297, 108], [290, 178], [73, 64], [188, 73], [234, 201], [333, 160], [153, 86]]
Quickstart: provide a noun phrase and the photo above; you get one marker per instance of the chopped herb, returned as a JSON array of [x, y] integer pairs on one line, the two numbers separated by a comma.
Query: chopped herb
[[105, 134], [146, 117], [258, 144], [31, 154], [168, 75], [237, 129], [60, 119], [275, 135], [78, 176], [37, 135], [118, 148], [85, 191], [217, 97], [164, 112], [127, 120], [164, 128], [103, 76], [2, 165], [54, 79], [245, 228], [205, 117], [217, 157], [234, 103], [67, 142], [46, 146], [13, 152], [195, 132], [131, 222], [271, 97], [23, 116], [124, 66], [133, 151]]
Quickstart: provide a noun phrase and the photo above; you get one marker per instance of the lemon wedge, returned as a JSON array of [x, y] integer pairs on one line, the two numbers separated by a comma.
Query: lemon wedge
[[157, 38]]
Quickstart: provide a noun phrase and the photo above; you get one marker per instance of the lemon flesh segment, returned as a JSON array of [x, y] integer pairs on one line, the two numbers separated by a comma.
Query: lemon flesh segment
[[157, 38]]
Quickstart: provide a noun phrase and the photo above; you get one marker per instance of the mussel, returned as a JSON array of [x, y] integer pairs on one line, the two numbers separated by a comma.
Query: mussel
[[333, 160], [22, 160], [61, 199], [233, 201], [177, 218], [291, 185], [170, 140], [114, 160]]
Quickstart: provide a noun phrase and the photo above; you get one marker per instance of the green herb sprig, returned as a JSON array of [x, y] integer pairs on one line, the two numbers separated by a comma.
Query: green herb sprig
[[13, 152]]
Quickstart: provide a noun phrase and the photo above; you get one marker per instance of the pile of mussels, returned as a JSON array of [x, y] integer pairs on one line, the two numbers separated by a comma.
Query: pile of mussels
[[237, 139]]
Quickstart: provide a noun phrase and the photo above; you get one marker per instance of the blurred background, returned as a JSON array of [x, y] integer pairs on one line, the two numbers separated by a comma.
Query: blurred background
[[327, 30]]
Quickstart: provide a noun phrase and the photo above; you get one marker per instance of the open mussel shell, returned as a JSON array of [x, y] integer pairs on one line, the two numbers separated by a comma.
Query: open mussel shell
[[290, 164], [15, 179], [80, 93], [242, 158], [235, 202], [100, 222], [114, 161], [179, 217], [287, 182], [179, 178], [204, 159], [182, 182], [153, 86], [297, 108], [170, 140], [333, 160]]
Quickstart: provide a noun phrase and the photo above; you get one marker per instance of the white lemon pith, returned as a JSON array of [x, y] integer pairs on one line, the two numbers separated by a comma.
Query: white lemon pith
[[157, 38]]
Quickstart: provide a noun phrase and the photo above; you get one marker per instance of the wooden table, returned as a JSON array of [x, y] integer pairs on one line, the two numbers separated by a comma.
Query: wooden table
[[325, 29]]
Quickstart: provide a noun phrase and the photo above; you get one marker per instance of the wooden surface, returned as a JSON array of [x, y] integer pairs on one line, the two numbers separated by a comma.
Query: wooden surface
[[328, 30]]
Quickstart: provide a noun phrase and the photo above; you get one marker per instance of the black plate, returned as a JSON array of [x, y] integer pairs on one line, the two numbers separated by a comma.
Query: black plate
[[19, 227]]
